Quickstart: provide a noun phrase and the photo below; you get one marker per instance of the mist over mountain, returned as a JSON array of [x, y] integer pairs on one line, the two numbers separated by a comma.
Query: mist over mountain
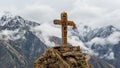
[[22, 41]]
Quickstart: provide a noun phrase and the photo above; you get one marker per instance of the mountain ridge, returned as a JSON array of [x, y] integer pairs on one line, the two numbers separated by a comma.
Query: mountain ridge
[[32, 42]]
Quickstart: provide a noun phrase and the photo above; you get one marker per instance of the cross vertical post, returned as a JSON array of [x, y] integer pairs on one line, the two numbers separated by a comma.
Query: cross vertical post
[[64, 23]]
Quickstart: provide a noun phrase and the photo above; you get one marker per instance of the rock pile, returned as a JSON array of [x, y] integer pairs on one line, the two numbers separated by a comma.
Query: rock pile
[[62, 57]]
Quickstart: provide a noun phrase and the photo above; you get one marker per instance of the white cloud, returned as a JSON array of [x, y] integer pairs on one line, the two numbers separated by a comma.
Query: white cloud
[[109, 56], [48, 30], [98, 40], [96, 13], [114, 38], [44, 31], [91, 12], [10, 35], [39, 13]]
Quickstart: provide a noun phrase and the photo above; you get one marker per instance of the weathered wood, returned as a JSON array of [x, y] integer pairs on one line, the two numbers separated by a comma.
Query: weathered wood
[[64, 22]]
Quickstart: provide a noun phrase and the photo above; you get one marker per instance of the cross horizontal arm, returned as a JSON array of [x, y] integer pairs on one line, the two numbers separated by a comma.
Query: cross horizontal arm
[[71, 23], [57, 22]]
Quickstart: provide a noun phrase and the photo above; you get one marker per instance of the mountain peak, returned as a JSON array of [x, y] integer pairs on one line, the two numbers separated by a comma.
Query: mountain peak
[[111, 28], [7, 15], [12, 22]]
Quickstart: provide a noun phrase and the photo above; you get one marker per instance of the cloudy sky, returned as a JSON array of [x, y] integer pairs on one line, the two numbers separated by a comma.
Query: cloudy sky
[[91, 12]]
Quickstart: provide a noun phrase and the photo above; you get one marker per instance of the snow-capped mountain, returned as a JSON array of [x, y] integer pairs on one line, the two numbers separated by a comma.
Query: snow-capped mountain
[[105, 42], [101, 32], [11, 22], [30, 39], [19, 47], [14, 27]]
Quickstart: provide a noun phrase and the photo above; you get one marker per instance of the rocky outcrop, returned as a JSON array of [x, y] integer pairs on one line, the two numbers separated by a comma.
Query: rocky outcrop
[[62, 57]]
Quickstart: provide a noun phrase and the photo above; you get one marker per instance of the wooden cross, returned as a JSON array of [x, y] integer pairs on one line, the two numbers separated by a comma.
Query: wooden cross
[[64, 22]]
